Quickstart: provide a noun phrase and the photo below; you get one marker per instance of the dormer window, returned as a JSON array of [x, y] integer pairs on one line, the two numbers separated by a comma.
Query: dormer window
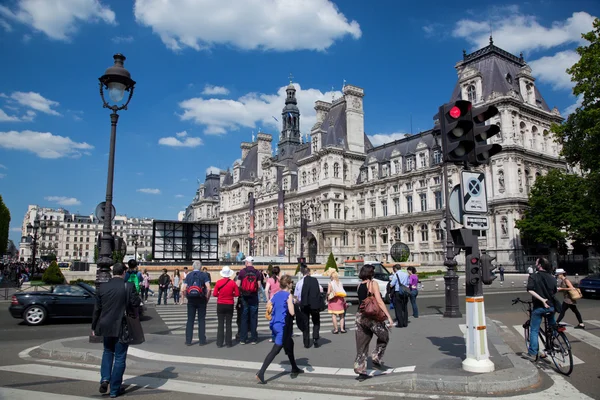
[[471, 93], [509, 79]]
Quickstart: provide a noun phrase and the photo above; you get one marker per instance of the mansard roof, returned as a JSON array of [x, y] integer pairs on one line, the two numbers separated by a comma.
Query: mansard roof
[[212, 185], [334, 127], [495, 66], [404, 147], [249, 164]]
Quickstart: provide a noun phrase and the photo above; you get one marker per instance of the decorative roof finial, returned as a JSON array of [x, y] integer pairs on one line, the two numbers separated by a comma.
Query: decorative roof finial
[[491, 40], [332, 94], [464, 53], [491, 34], [291, 78]]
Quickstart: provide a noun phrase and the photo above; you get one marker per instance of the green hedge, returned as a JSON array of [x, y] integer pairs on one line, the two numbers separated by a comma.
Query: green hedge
[[426, 275]]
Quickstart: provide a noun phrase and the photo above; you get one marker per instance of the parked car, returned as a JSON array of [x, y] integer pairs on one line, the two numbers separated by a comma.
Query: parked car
[[590, 285], [61, 301]]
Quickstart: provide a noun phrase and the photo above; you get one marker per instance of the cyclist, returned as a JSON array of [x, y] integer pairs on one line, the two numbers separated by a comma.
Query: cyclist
[[542, 287]]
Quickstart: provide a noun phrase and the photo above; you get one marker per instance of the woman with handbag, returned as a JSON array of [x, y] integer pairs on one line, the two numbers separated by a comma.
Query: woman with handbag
[[225, 292], [336, 303], [370, 320], [571, 294]]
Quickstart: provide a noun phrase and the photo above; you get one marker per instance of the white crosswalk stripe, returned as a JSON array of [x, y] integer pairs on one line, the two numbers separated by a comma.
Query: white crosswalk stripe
[[519, 328], [175, 317]]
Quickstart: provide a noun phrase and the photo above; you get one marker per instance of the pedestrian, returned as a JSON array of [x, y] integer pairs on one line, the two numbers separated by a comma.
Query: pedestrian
[[164, 280], [145, 286], [400, 296], [367, 327], [564, 286], [501, 270], [530, 269], [336, 303], [183, 296], [282, 323], [413, 286], [177, 282], [225, 291], [133, 275], [197, 287], [205, 270], [249, 280], [113, 299], [272, 285], [310, 302], [262, 287], [542, 287]]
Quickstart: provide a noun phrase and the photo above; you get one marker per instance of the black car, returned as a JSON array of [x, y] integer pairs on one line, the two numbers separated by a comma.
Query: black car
[[590, 285], [62, 301]]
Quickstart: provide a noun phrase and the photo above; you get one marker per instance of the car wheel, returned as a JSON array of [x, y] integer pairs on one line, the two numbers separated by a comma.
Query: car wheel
[[34, 315]]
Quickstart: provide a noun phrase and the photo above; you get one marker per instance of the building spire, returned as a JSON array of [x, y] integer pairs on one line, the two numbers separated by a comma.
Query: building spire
[[291, 77], [491, 34]]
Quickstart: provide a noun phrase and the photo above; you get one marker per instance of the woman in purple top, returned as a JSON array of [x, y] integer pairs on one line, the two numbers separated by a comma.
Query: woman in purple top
[[413, 282]]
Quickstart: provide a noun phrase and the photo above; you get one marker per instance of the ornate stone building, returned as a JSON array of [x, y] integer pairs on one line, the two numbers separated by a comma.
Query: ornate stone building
[[361, 199]]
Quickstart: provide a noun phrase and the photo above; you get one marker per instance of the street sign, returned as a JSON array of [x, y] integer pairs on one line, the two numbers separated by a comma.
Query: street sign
[[474, 192], [99, 213], [455, 204], [478, 222]]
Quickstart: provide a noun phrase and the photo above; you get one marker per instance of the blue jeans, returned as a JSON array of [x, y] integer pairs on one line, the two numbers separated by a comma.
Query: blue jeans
[[162, 292], [249, 310], [262, 294], [176, 295], [534, 327], [113, 363], [413, 301]]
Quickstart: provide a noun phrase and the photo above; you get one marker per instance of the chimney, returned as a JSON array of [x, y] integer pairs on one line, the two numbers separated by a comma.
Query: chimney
[[322, 108], [245, 146]]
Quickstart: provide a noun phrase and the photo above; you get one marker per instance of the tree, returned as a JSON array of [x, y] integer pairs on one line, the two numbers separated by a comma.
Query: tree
[[53, 275], [560, 209], [149, 257], [4, 227], [118, 256], [96, 254], [331, 263]]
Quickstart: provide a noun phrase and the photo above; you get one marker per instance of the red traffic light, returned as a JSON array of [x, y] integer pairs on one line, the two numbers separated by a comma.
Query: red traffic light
[[474, 260], [454, 112]]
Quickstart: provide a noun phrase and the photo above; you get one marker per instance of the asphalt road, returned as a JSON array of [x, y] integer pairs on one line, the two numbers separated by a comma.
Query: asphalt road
[[15, 336]]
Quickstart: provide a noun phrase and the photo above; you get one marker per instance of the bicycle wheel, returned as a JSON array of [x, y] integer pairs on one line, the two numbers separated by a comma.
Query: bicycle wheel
[[526, 334], [561, 353]]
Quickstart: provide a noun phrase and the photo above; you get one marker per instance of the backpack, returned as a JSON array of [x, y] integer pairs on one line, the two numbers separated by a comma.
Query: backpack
[[249, 284], [197, 288], [133, 278]]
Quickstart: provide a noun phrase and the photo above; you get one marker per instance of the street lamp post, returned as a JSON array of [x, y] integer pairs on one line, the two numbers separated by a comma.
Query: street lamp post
[[37, 225], [290, 245], [116, 80], [135, 236]]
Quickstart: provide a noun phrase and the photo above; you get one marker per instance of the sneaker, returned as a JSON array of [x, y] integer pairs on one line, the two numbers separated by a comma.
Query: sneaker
[[242, 342], [580, 326], [254, 343], [103, 387], [530, 357]]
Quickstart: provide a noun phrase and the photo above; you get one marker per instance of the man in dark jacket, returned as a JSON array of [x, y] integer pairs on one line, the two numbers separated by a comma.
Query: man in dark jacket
[[112, 299], [163, 285], [310, 301]]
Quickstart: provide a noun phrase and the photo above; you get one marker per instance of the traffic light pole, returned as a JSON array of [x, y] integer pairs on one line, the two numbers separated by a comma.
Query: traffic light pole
[[451, 278]]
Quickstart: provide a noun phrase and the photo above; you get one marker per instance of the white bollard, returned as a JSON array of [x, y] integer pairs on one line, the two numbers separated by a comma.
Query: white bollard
[[437, 286], [512, 283], [478, 355], [524, 283]]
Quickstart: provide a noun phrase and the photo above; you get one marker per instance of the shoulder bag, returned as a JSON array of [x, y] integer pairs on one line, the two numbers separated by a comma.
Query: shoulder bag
[[370, 307], [575, 293], [131, 326]]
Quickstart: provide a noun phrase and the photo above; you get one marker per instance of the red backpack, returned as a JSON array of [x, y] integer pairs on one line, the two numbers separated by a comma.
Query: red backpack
[[249, 283]]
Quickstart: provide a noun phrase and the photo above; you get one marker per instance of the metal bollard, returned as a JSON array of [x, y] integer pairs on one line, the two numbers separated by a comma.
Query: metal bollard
[[524, 283], [437, 286], [512, 283], [577, 278]]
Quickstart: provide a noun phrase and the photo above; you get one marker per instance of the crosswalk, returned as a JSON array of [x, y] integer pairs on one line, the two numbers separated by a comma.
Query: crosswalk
[[175, 317]]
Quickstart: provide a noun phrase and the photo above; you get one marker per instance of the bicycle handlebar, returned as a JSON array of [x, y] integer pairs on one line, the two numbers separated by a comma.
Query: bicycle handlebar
[[518, 300]]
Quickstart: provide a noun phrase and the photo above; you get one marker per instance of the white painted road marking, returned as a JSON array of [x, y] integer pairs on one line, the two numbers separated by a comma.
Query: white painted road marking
[[20, 394], [174, 385]]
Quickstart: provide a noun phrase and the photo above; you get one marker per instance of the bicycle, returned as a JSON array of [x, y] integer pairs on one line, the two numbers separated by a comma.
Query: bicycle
[[555, 342]]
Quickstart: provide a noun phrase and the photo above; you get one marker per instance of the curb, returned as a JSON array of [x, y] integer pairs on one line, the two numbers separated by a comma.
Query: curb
[[521, 377]]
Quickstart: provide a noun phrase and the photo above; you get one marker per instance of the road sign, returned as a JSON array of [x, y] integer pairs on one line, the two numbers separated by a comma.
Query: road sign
[[478, 222], [99, 213], [474, 192], [455, 204]]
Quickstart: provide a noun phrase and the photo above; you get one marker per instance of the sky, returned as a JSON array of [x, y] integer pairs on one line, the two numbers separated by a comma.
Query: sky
[[212, 73]]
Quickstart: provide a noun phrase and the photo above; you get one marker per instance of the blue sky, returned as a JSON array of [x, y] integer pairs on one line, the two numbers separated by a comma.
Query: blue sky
[[210, 73]]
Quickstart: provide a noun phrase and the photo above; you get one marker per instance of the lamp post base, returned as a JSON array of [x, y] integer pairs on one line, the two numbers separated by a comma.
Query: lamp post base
[[451, 286]]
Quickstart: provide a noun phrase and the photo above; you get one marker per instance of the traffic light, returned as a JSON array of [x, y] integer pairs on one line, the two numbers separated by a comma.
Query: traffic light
[[456, 129], [473, 270], [482, 151], [487, 269]]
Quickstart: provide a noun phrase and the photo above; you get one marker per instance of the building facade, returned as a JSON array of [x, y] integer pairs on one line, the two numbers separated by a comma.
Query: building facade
[[361, 199], [73, 237]]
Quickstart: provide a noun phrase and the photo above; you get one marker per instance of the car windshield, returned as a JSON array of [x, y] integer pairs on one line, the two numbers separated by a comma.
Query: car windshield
[[88, 287]]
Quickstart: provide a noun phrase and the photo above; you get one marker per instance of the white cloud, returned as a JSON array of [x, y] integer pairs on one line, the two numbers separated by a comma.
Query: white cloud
[[179, 196], [16, 229], [3, 166], [221, 115], [149, 191], [58, 18], [514, 31], [210, 90], [553, 69], [35, 101], [573, 107], [182, 140], [4, 117], [2, 176], [43, 144], [213, 170], [5, 25], [281, 25], [382, 138], [63, 201], [122, 39]]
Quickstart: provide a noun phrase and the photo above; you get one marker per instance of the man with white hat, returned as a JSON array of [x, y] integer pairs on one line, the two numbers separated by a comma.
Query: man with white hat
[[250, 279], [225, 291]]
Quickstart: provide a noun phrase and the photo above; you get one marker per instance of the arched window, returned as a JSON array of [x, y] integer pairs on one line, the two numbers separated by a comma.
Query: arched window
[[397, 234], [410, 234], [345, 171], [285, 184], [361, 236], [384, 236], [326, 170], [373, 236], [345, 238], [314, 175], [472, 93], [336, 170], [424, 233], [304, 178], [439, 232]]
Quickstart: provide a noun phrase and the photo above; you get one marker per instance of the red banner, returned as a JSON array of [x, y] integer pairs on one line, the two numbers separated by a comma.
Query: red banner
[[280, 225], [251, 222]]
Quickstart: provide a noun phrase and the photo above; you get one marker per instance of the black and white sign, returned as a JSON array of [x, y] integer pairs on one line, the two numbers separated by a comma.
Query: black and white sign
[[478, 222], [455, 204], [100, 211], [474, 192]]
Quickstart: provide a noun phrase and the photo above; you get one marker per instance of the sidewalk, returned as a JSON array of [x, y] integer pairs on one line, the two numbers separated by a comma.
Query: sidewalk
[[424, 357]]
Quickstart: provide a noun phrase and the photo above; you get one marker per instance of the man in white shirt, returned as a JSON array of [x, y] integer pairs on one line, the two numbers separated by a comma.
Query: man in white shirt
[[399, 283]]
